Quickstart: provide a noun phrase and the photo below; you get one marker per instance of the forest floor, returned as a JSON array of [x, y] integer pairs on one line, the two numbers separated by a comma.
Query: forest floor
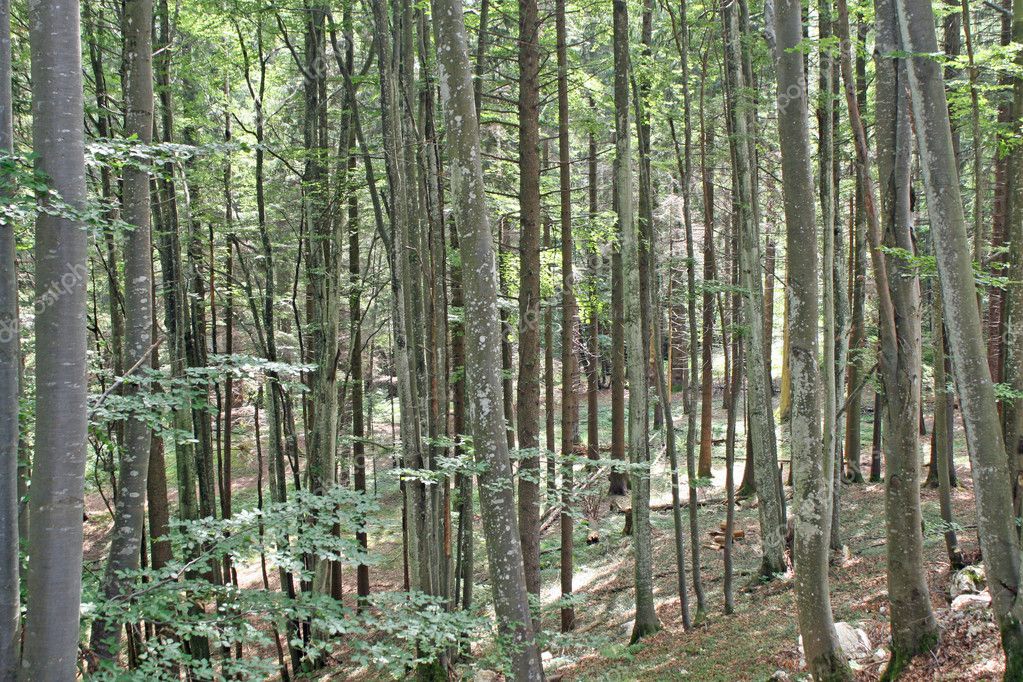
[[757, 641]]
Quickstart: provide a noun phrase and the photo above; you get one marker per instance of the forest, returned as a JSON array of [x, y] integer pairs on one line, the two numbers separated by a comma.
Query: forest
[[511, 340]]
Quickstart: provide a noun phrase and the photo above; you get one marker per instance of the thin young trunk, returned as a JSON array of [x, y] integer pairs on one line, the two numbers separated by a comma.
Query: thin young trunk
[[828, 191], [619, 484], [10, 384], [943, 433], [550, 419], [646, 616], [126, 538], [812, 472], [760, 412], [1012, 367], [733, 400], [997, 530], [857, 336], [511, 601], [56, 505], [569, 322], [593, 338], [528, 386], [914, 629], [707, 368]]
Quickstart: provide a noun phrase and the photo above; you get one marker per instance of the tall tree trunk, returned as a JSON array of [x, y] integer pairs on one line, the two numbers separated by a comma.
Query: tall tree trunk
[[56, 505], [812, 472], [593, 338], [528, 387], [828, 192], [483, 358], [1012, 367], [10, 384], [646, 616], [709, 273], [914, 629], [126, 539], [569, 322], [997, 530], [857, 349], [760, 412]]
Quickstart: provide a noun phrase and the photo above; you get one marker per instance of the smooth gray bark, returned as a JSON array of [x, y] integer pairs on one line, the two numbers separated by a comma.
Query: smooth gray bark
[[995, 519], [646, 616], [129, 512], [10, 362], [55, 537], [483, 340], [913, 626], [812, 471], [761, 413]]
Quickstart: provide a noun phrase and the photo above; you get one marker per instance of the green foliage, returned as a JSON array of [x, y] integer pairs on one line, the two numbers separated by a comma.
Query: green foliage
[[396, 632]]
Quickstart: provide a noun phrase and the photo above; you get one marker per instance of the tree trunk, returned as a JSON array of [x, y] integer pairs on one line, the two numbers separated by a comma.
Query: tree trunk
[[10, 385], [857, 349], [812, 472], [483, 350], [707, 368], [997, 530], [569, 322], [1012, 366], [646, 616], [56, 505], [528, 387], [126, 538], [760, 412], [914, 629], [943, 434]]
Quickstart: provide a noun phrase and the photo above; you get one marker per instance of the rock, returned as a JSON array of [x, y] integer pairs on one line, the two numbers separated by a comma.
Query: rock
[[779, 676], [970, 580], [971, 602], [853, 640], [486, 676]]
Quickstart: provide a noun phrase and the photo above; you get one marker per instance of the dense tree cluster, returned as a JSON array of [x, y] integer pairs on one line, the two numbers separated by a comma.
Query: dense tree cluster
[[292, 293]]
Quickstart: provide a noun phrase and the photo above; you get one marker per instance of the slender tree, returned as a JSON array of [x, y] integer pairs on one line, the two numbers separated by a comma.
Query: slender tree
[[812, 472], [914, 628], [998, 534], [528, 386], [646, 616], [760, 413], [483, 357], [129, 512], [10, 380], [569, 322]]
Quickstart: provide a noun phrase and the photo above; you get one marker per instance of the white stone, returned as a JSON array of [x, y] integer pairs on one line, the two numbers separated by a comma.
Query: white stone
[[970, 580], [970, 602]]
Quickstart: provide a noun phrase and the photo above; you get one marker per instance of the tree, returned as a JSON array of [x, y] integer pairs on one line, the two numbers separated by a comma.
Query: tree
[[126, 540], [760, 413], [569, 322], [996, 528], [646, 616], [483, 340], [55, 536], [10, 382], [812, 472], [528, 387], [914, 629]]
